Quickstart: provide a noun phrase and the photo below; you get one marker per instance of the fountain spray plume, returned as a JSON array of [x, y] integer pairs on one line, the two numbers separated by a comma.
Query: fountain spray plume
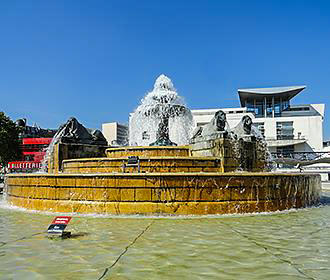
[[162, 104]]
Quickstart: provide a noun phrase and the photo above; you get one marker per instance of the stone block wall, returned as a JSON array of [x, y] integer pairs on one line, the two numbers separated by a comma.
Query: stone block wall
[[72, 151], [179, 194]]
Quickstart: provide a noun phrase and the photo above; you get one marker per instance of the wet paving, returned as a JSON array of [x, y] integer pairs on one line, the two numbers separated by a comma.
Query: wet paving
[[292, 244]]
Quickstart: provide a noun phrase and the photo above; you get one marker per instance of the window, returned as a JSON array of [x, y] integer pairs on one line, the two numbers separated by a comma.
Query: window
[[286, 151], [260, 127], [277, 109], [269, 109], [284, 130]]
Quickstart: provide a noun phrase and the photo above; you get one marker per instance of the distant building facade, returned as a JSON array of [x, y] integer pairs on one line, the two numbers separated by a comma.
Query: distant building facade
[[287, 128], [115, 133]]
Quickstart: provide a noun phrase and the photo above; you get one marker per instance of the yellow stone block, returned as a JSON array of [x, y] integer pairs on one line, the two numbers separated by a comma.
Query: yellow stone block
[[243, 193], [127, 194], [167, 194], [105, 181], [111, 208], [24, 191], [41, 192], [100, 194], [66, 181], [143, 194], [128, 207], [49, 181], [63, 193], [91, 193], [130, 181], [156, 194], [51, 192], [33, 181], [152, 181], [112, 194], [85, 181], [184, 194], [78, 193]]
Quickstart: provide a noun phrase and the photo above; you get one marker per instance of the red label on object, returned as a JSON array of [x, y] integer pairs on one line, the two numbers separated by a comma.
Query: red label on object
[[61, 220]]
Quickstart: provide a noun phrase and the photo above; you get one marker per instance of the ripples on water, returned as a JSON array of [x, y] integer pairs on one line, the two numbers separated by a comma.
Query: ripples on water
[[286, 245]]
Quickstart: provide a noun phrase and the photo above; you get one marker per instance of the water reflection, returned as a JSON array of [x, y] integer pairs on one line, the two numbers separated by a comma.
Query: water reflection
[[289, 245]]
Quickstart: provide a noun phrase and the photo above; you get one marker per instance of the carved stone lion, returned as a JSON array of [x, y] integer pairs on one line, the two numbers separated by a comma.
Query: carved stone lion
[[244, 127], [74, 132], [217, 124], [247, 124]]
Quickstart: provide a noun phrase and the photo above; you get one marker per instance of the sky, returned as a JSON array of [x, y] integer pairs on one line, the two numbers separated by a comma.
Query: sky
[[95, 60]]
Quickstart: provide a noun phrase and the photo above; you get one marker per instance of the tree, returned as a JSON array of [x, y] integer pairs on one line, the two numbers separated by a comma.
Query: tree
[[9, 140]]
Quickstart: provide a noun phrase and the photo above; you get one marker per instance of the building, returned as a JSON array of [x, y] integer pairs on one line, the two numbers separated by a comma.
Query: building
[[287, 128], [115, 133], [34, 142]]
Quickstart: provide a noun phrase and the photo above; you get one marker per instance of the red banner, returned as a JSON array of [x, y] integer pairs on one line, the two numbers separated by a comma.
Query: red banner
[[37, 141]]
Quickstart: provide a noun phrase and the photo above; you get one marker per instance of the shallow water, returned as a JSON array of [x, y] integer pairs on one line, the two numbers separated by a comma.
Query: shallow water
[[286, 245]]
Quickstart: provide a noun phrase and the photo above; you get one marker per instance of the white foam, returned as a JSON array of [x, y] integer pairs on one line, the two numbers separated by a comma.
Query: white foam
[[163, 99]]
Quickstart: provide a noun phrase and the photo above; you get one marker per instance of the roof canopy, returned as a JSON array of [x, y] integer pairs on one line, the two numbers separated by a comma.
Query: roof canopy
[[277, 92]]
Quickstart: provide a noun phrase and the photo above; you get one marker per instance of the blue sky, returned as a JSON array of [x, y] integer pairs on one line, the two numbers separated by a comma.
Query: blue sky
[[95, 60]]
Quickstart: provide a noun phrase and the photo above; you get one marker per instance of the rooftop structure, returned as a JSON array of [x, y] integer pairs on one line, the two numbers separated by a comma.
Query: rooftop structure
[[268, 102]]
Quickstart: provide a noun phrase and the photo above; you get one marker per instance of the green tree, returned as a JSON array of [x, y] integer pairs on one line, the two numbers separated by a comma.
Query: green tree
[[9, 141]]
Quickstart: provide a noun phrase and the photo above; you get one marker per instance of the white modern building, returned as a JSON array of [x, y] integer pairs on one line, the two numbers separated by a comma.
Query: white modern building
[[287, 128]]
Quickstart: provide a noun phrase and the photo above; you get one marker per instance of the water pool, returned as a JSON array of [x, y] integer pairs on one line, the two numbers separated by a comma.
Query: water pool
[[286, 245]]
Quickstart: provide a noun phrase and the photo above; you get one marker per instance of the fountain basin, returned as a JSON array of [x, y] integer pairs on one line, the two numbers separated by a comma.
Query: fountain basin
[[148, 151], [147, 165], [190, 193]]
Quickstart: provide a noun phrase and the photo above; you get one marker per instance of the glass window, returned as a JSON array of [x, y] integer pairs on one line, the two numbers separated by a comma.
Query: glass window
[[269, 110], [260, 127], [277, 109], [260, 109], [287, 151], [284, 130]]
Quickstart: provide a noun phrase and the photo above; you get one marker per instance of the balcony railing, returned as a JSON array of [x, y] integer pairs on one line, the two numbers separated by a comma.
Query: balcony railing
[[301, 156], [281, 137]]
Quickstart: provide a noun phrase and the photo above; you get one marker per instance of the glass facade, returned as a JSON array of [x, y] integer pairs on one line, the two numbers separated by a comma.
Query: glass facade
[[267, 106]]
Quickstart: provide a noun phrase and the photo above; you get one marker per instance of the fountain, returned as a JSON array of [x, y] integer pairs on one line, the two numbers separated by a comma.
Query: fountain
[[161, 111], [167, 169]]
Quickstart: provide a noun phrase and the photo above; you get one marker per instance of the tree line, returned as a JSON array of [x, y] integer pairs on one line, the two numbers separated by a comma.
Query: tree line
[[9, 140]]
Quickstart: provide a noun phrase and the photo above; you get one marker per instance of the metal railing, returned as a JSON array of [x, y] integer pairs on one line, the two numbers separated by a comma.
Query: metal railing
[[301, 156]]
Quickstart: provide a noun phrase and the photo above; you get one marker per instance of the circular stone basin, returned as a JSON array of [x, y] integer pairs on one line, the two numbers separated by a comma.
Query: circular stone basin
[[163, 193], [146, 165], [148, 151]]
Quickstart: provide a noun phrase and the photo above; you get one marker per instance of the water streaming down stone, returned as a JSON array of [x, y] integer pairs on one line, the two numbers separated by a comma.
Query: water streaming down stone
[[162, 102], [50, 150]]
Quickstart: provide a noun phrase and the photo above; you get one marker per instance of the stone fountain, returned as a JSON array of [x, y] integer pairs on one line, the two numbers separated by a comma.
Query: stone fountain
[[211, 170]]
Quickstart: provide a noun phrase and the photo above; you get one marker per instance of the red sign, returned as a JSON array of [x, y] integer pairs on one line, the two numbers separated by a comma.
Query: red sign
[[61, 220], [37, 141], [24, 165]]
